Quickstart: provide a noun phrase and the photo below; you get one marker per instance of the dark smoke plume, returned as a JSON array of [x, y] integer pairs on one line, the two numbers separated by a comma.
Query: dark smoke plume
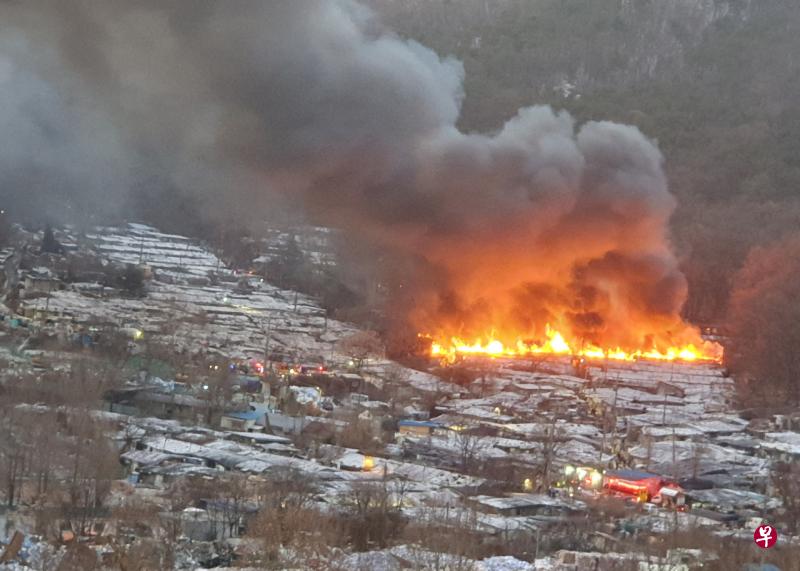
[[237, 103]]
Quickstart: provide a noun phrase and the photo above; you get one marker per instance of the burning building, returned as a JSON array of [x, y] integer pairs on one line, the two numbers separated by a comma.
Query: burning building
[[546, 236]]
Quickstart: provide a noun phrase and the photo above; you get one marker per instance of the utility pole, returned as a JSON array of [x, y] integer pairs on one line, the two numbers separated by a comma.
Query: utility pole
[[49, 295], [267, 333], [664, 410], [614, 418], [674, 468], [603, 440], [220, 247]]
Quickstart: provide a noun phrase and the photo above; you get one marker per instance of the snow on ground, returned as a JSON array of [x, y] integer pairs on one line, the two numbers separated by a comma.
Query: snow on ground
[[786, 442], [684, 410], [371, 561], [399, 557], [504, 563], [184, 308], [681, 458], [167, 254], [211, 320]]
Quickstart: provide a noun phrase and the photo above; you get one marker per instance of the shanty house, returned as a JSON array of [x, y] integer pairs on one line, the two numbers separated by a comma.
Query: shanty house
[[524, 505], [40, 281], [241, 421], [417, 427], [670, 496]]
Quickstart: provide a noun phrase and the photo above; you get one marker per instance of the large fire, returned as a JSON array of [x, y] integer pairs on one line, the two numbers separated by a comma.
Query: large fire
[[554, 343]]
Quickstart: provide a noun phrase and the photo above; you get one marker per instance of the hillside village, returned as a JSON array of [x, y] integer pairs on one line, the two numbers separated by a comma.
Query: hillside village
[[231, 423]]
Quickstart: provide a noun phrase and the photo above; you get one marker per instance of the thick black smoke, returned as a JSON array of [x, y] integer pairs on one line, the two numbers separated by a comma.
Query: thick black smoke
[[236, 103]]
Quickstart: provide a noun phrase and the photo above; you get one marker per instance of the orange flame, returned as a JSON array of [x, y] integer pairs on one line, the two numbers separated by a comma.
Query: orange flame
[[449, 348]]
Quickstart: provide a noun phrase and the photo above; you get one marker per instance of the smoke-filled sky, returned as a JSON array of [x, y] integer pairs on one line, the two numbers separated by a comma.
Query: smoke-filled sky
[[240, 104]]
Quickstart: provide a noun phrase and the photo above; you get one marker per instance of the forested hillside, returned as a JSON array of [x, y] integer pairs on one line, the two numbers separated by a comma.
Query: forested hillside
[[714, 81]]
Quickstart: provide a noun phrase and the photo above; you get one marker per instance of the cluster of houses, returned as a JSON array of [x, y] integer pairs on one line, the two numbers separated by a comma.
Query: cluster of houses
[[524, 448]]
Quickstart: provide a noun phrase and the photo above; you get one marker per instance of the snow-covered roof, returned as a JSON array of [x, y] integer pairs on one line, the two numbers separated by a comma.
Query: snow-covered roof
[[305, 395], [515, 501], [145, 457], [504, 563], [786, 442], [261, 437], [419, 423], [244, 415], [724, 498], [352, 461]]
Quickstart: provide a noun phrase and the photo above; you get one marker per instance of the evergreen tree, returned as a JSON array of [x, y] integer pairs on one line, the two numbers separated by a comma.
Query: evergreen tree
[[49, 243]]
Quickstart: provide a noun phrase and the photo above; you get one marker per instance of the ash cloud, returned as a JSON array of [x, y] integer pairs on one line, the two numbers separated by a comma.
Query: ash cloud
[[240, 104]]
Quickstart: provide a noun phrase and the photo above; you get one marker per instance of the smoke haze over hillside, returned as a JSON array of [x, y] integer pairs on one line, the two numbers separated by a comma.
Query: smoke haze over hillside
[[235, 104]]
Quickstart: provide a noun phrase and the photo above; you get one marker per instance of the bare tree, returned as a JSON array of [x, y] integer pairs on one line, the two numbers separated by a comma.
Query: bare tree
[[46, 444], [487, 371], [469, 447], [699, 452], [765, 324], [91, 464], [217, 390], [15, 455], [25, 432], [648, 442], [359, 433], [233, 493], [141, 518], [287, 517], [786, 481], [360, 346], [373, 512], [444, 538], [168, 526], [395, 381], [79, 557], [550, 445]]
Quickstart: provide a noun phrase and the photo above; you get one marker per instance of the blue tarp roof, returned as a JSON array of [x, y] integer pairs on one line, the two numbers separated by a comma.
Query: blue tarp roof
[[632, 475], [245, 414], [421, 423]]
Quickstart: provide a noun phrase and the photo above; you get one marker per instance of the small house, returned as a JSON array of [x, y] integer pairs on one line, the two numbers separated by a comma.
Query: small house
[[667, 389], [417, 427], [671, 497], [241, 421], [40, 281], [525, 505]]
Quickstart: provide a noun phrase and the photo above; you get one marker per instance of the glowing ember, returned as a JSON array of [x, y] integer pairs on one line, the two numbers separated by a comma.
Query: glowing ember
[[449, 348]]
